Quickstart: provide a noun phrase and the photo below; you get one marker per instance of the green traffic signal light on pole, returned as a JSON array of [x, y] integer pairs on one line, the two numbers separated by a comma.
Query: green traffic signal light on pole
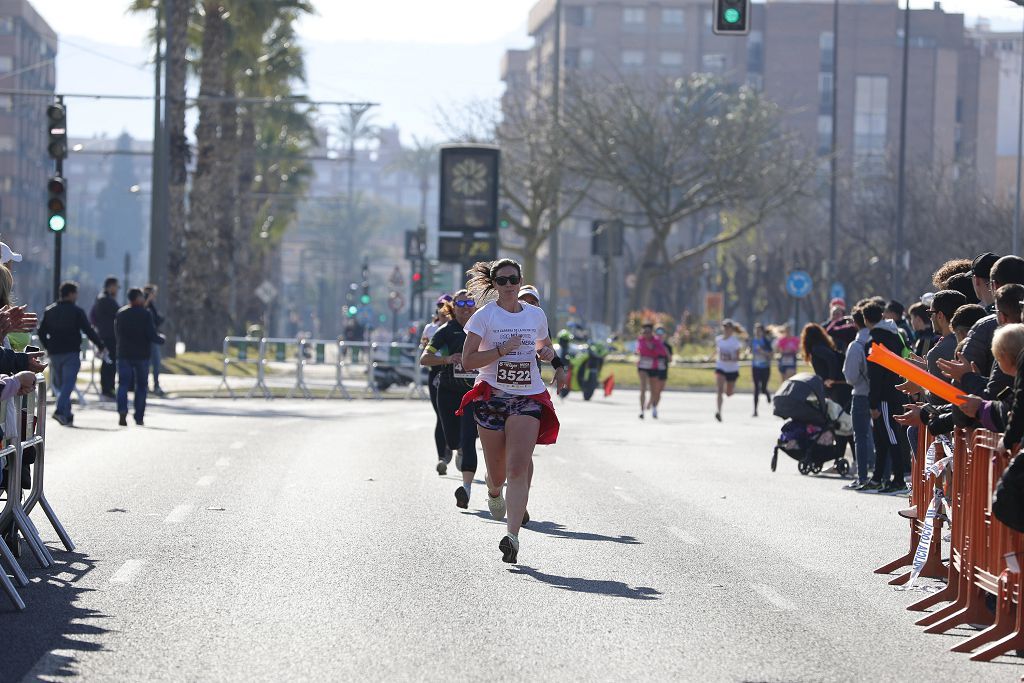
[[352, 310], [365, 299], [732, 15], [57, 223]]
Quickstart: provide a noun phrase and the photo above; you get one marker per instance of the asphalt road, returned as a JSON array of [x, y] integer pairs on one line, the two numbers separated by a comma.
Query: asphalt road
[[256, 541]]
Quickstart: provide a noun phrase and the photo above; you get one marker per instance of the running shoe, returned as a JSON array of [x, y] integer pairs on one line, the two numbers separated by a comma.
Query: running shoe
[[526, 517], [509, 548], [496, 504], [641, 414], [718, 416], [871, 486], [461, 498], [909, 513], [442, 468], [895, 489], [853, 485], [654, 412], [458, 460]]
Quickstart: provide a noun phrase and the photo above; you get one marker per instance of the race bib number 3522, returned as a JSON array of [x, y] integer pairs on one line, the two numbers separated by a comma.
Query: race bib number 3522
[[515, 374]]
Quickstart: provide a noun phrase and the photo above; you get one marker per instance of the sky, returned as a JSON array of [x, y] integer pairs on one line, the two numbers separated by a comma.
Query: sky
[[410, 56]]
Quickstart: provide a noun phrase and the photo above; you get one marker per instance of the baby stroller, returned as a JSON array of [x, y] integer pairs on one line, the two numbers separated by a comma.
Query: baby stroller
[[812, 424]]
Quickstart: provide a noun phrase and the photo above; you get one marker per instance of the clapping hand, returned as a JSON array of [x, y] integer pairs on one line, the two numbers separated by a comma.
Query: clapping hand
[[956, 369], [910, 388], [35, 361], [971, 405], [27, 380], [17, 319], [911, 418]]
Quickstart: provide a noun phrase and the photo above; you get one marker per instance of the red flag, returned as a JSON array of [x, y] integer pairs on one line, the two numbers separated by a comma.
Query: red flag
[[609, 385]]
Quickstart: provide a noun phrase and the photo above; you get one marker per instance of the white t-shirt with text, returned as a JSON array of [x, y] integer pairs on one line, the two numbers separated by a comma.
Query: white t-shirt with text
[[728, 353], [517, 372]]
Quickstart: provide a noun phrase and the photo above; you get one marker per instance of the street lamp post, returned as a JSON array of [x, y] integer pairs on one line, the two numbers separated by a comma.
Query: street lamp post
[[834, 161], [1020, 145], [897, 257]]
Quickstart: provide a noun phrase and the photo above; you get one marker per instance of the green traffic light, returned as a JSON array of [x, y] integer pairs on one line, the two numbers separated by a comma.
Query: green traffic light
[[57, 223], [352, 310], [731, 15], [365, 298]]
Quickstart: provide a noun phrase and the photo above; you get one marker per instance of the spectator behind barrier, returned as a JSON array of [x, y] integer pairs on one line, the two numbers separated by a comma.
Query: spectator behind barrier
[[948, 269]]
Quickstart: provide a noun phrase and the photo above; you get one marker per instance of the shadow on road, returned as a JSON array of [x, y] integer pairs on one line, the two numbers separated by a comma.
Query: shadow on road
[[50, 630], [616, 589], [560, 530]]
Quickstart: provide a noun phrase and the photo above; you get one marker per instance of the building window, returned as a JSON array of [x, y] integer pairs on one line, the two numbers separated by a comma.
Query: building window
[[571, 57], [825, 93], [827, 48], [672, 19], [824, 135], [671, 58], [576, 15], [6, 26], [715, 64], [870, 120], [6, 143], [586, 58], [633, 17], [755, 52], [6, 64], [6, 103], [632, 58]]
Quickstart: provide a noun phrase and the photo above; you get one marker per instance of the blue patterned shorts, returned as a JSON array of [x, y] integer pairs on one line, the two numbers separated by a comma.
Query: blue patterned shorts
[[493, 413]]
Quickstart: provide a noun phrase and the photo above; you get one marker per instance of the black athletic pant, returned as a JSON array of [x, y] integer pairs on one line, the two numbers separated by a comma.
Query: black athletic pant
[[892, 449], [442, 447], [460, 432], [761, 377], [108, 371]]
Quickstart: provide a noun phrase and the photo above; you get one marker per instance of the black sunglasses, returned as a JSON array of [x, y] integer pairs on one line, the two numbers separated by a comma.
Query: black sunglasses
[[503, 280], [465, 303]]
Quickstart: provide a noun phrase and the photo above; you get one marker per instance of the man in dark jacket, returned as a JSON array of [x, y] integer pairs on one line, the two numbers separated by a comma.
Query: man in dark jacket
[[136, 335], [892, 450], [102, 318], [151, 291], [61, 332]]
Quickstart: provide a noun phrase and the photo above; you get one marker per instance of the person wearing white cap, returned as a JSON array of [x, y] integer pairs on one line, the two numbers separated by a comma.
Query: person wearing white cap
[[530, 295], [8, 255]]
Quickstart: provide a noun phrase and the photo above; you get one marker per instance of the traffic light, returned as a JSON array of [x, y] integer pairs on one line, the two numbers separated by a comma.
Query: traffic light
[[56, 203], [57, 128], [435, 275], [364, 299], [352, 311], [504, 218], [731, 17], [417, 281]]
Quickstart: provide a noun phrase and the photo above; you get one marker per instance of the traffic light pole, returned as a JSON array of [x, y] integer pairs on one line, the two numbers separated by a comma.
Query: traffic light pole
[[59, 234]]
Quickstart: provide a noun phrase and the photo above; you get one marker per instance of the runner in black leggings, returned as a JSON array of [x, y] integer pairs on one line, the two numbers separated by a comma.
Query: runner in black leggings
[[444, 351], [443, 454]]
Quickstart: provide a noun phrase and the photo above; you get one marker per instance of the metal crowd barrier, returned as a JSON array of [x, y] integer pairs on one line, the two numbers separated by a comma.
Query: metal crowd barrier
[[383, 364], [15, 521]]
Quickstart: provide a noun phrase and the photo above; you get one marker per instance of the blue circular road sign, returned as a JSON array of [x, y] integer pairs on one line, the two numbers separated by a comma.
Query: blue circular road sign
[[837, 291], [799, 283]]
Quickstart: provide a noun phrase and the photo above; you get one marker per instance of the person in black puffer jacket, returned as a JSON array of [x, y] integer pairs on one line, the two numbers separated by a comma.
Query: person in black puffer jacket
[[892, 449]]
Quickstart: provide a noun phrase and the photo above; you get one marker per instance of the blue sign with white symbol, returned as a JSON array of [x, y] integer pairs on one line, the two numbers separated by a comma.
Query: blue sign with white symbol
[[837, 291], [799, 283]]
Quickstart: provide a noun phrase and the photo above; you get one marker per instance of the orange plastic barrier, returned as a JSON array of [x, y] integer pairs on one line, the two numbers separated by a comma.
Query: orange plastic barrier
[[985, 555], [919, 376]]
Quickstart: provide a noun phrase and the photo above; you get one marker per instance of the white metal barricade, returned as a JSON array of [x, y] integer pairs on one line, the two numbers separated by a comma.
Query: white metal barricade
[[242, 346], [14, 518]]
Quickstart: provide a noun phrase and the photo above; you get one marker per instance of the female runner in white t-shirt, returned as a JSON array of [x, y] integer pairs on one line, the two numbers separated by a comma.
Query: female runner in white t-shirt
[[513, 409]]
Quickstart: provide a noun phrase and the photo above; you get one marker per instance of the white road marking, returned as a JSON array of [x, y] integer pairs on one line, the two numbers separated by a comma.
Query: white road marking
[[237, 445], [178, 514], [625, 497], [774, 597], [206, 481], [682, 535], [223, 462], [127, 571]]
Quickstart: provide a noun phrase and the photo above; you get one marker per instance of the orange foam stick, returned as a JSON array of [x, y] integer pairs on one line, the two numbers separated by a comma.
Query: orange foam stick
[[922, 378]]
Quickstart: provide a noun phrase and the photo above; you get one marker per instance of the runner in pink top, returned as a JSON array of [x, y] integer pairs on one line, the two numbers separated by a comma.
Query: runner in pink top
[[788, 347], [652, 365]]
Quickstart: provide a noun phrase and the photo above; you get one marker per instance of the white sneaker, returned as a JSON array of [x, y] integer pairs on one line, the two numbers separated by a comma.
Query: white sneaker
[[442, 468], [496, 505], [654, 412]]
